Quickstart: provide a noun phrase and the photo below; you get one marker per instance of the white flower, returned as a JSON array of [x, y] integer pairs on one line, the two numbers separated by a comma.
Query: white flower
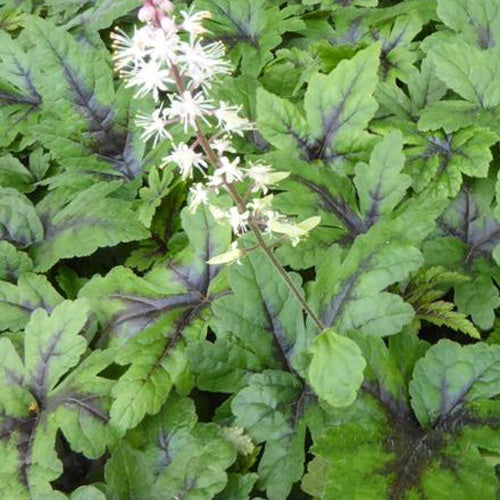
[[263, 176], [153, 125], [202, 63], [199, 195], [164, 43], [229, 119], [186, 159], [222, 145], [228, 257], [192, 21], [189, 108], [150, 77], [130, 51], [238, 220], [229, 169]]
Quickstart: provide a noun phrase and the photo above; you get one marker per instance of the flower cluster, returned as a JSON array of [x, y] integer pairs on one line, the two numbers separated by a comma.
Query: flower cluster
[[168, 59]]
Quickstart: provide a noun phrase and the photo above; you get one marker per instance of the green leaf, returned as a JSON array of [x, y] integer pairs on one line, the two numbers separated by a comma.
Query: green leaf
[[126, 474], [424, 87], [469, 232], [13, 262], [78, 92], [239, 487], [199, 462], [439, 160], [157, 364], [254, 27], [35, 402], [19, 97], [95, 17], [340, 105], [87, 493], [269, 408], [81, 404], [336, 370], [281, 123], [151, 196], [348, 293], [17, 302], [19, 222], [390, 454], [90, 221], [441, 313], [397, 57], [423, 293], [479, 298], [263, 314], [160, 313], [381, 185], [14, 174], [53, 345], [450, 376], [30, 461], [171, 454], [473, 75], [476, 21]]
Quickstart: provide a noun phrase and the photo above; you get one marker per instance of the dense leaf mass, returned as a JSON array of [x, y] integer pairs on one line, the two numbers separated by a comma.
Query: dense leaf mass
[[134, 363]]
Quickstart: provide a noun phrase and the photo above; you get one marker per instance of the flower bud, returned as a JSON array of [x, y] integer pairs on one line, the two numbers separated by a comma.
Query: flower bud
[[146, 13], [227, 257], [165, 5]]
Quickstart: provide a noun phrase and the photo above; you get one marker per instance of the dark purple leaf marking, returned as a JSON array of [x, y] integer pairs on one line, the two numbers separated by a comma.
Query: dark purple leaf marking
[[110, 144], [338, 206], [481, 235]]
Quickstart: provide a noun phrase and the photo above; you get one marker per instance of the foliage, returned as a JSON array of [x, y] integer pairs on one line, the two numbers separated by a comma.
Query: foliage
[[130, 367]]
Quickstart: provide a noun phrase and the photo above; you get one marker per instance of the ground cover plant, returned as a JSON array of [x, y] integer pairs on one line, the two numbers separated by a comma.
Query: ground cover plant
[[249, 249]]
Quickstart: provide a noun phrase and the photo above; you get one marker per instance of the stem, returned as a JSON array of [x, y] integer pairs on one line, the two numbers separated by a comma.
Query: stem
[[214, 160]]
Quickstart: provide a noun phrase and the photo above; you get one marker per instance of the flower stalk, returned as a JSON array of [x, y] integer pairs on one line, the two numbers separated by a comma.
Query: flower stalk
[[168, 60]]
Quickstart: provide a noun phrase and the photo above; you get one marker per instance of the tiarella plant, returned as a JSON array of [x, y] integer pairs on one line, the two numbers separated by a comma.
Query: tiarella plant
[[249, 249]]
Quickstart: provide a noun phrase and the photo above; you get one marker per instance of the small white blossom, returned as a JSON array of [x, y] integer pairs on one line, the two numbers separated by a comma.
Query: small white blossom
[[192, 21], [153, 125], [229, 119], [222, 145], [164, 43], [230, 170], [203, 62], [188, 108], [151, 78], [199, 195], [168, 25], [186, 159], [263, 177], [238, 220], [130, 51]]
